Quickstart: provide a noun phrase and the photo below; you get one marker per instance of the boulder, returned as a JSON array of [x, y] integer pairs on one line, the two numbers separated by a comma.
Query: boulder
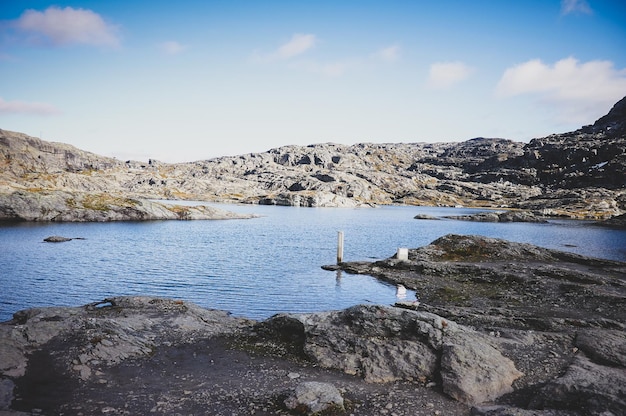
[[472, 371], [313, 397], [385, 344]]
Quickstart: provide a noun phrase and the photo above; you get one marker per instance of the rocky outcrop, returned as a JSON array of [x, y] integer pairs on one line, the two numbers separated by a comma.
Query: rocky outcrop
[[386, 344], [578, 174], [67, 206], [558, 316]]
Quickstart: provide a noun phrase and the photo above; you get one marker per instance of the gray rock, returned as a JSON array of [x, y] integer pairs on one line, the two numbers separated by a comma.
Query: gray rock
[[607, 347], [313, 397], [586, 386], [385, 344], [473, 371]]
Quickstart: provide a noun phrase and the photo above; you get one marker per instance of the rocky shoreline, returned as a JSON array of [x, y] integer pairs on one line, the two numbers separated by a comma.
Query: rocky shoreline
[[500, 328]]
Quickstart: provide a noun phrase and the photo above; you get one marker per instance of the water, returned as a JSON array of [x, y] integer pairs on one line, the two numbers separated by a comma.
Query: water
[[253, 268]]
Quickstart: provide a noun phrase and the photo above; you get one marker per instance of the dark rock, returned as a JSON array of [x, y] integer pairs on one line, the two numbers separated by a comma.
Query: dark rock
[[506, 216], [56, 239], [425, 217]]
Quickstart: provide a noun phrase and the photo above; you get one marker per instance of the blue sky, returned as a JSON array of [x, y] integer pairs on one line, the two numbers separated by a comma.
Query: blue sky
[[192, 80]]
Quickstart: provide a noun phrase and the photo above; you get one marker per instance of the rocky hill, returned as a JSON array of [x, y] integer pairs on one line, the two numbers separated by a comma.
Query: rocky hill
[[579, 174]]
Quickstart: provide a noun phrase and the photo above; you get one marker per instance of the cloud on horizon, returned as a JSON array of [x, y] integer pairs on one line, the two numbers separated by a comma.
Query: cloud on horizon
[[575, 6], [578, 90], [57, 26], [22, 107], [443, 75]]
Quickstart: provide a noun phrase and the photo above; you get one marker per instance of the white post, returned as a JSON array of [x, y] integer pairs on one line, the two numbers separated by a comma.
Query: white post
[[403, 254], [339, 247]]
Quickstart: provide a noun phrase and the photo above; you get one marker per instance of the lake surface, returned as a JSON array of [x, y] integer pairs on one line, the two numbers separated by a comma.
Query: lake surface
[[253, 268]]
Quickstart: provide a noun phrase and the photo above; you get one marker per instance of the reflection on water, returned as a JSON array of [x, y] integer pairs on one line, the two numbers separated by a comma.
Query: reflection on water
[[253, 268]]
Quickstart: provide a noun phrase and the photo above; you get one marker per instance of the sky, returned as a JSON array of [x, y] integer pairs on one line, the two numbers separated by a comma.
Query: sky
[[193, 80]]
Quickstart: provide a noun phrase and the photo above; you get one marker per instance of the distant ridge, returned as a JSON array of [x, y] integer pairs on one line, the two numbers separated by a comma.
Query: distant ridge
[[580, 174]]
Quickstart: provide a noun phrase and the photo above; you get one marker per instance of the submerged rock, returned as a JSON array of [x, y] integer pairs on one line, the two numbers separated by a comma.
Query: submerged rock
[[56, 239]]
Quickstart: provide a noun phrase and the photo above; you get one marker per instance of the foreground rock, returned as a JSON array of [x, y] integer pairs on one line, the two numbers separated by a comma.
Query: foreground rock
[[385, 344], [501, 328], [138, 355], [558, 316]]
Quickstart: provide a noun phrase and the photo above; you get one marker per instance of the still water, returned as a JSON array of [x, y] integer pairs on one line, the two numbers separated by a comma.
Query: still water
[[253, 268]]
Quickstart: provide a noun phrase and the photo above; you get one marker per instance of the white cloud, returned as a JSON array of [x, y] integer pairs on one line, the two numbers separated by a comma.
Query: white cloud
[[67, 26], [444, 75], [575, 6], [298, 44], [576, 89], [388, 54], [172, 47], [22, 107]]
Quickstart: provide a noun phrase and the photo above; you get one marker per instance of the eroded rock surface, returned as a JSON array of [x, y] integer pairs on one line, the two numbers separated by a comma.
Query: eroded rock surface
[[559, 317]]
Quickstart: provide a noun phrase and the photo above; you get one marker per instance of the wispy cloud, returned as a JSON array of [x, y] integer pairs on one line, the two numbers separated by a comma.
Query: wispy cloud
[[297, 45], [443, 75], [66, 26], [575, 88], [575, 6], [22, 107], [172, 47], [388, 54]]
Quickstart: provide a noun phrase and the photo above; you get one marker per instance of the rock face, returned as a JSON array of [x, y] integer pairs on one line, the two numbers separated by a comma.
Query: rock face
[[578, 174]]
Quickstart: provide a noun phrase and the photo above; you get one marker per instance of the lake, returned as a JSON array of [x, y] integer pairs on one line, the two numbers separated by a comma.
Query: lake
[[254, 267]]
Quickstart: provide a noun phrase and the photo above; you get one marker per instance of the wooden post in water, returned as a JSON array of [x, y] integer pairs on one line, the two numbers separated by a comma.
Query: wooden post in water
[[339, 247]]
